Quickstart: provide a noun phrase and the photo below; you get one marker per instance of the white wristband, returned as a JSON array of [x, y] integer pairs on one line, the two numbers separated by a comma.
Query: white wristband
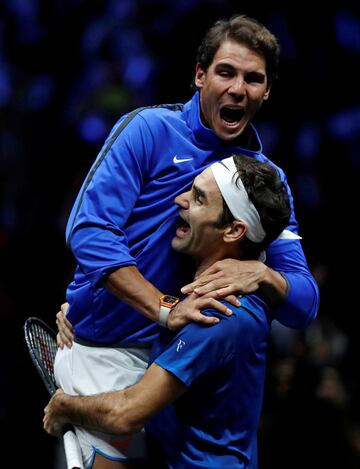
[[164, 315]]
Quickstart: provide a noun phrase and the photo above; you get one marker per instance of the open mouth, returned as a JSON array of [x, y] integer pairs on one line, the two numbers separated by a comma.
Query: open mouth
[[183, 228], [231, 115]]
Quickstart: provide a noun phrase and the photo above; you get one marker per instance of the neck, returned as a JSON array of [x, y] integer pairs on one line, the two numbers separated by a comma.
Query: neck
[[208, 261]]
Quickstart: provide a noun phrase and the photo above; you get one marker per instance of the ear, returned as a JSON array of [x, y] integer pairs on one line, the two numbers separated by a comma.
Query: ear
[[267, 94], [199, 76], [234, 232]]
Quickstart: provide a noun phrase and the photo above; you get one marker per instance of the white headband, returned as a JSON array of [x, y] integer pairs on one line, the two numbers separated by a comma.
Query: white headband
[[237, 198]]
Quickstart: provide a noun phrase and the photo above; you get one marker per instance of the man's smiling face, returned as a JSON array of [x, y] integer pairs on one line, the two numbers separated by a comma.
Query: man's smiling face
[[200, 209], [232, 89]]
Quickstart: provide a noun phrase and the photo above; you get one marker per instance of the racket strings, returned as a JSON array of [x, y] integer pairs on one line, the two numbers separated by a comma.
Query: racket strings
[[46, 347], [41, 343]]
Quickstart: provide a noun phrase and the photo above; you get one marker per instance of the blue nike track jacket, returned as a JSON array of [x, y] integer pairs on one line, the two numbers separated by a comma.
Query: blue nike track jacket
[[125, 215]]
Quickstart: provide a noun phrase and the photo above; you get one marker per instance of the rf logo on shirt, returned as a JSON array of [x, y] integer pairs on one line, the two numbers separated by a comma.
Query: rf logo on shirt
[[179, 345]]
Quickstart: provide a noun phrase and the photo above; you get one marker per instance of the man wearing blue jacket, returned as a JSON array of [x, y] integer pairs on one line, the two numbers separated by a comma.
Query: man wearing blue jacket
[[120, 229], [203, 392]]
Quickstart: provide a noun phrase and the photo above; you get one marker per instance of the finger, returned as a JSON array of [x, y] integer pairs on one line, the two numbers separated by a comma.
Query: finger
[[220, 307], [190, 287], [64, 307], [175, 324], [62, 321], [232, 299], [186, 289], [68, 324], [59, 341], [206, 320], [65, 336], [223, 294], [202, 283], [211, 286], [59, 316], [65, 328]]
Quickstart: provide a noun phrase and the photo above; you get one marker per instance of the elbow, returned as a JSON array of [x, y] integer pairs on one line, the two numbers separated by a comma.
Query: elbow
[[130, 427], [75, 240], [124, 426], [124, 419], [301, 305]]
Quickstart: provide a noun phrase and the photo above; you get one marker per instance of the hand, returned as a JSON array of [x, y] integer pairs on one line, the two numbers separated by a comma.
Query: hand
[[53, 422], [189, 310], [228, 277], [65, 336]]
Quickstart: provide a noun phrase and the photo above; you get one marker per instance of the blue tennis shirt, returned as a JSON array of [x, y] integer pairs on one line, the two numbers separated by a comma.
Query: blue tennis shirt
[[214, 424]]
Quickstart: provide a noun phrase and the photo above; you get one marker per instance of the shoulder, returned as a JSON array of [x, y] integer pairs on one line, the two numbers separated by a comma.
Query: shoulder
[[153, 117], [143, 122], [158, 111], [250, 320]]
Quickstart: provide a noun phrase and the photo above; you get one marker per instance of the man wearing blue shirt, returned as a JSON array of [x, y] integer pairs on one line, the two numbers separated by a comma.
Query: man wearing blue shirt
[[204, 388], [123, 220]]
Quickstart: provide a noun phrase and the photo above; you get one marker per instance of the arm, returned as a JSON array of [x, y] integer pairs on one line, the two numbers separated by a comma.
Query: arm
[[188, 310], [301, 303], [118, 412], [95, 230], [129, 285], [293, 295], [231, 276], [285, 282]]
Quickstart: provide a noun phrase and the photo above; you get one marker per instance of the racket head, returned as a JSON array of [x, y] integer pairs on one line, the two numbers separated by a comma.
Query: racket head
[[42, 346]]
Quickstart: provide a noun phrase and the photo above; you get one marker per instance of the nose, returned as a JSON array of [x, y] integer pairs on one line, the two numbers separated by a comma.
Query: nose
[[183, 200], [238, 87]]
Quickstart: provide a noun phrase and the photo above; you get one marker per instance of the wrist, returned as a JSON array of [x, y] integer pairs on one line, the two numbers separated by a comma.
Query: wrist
[[167, 303], [265, 277], [273, 287]]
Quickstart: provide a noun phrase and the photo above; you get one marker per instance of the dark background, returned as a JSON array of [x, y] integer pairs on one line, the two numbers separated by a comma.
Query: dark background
[[68, 70]]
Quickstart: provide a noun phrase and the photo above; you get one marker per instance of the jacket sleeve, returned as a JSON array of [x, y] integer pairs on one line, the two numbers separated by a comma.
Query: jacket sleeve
[[301, 304], [286, 256], [94, 230]]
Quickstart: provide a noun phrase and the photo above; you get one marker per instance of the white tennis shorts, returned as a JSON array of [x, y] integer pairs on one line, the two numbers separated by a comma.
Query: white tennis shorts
[[83, 370]]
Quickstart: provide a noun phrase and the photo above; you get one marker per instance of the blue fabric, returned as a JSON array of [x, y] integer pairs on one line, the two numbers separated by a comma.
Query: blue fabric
[[214, 424], [125, 215]]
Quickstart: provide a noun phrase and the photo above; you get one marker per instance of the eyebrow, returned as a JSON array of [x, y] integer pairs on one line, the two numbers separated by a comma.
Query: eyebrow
[[228, 66], [199, 192], [224, 65]]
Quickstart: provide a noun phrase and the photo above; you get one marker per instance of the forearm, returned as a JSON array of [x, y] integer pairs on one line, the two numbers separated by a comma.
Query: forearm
[[118, 412], [128, 284], [272, 287], [293, 297], [301, 304], [107, 412]]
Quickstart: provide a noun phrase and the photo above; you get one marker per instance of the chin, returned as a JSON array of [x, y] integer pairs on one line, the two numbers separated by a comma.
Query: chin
[[228, 135], [178, 246]]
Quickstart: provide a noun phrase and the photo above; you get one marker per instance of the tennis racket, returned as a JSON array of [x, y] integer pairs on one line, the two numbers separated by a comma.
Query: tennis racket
[[41, 343]]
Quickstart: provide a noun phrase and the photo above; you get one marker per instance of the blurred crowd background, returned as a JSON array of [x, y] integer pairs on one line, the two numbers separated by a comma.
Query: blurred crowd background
[[68, 70]]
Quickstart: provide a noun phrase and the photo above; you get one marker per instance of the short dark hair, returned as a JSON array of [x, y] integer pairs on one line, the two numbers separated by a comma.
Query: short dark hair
[[244, 30], [269, 195]]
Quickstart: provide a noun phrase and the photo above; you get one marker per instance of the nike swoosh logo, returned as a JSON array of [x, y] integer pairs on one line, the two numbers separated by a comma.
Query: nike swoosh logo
[[181, 160]]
